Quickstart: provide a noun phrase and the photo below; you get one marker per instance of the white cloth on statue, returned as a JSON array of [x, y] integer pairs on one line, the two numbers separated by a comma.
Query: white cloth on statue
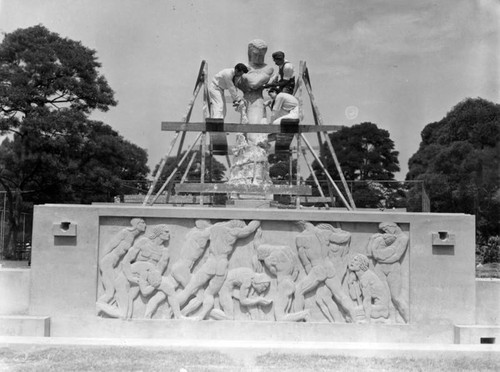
[[223, 80], [285, 106]]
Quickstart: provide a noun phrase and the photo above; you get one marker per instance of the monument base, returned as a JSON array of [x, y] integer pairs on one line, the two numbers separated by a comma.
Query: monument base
[[251, 331], [437, 273]]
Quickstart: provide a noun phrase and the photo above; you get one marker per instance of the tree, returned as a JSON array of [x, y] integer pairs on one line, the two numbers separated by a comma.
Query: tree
[[41, 71], [214, 170], [279, 167], [458, 159], [67, 158], [365, 152], [48, 87]]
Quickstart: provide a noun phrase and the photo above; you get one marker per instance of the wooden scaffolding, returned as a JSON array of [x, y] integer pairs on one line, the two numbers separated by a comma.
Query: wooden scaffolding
[[212, 138]]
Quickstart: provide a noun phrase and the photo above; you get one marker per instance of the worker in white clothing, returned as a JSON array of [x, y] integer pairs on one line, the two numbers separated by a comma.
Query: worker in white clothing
[[283, 106], [224, 80]]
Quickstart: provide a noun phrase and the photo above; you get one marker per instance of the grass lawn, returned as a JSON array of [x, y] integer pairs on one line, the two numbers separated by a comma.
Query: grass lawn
[[116, 358]]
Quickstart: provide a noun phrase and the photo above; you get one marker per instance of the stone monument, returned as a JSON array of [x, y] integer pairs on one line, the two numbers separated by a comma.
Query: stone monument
[[263, 274]]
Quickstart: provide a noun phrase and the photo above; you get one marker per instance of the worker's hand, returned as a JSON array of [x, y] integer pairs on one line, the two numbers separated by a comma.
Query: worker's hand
[[239, 106]]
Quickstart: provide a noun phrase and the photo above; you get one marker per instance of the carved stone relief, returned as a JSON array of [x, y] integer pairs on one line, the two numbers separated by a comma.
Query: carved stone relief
[[235, 270]]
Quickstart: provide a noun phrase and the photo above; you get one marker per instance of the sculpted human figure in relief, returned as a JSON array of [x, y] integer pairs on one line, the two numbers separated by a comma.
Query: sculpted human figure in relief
[[387, 249], [283, 263], [223, 237], [195, 244], [373, 292], [313, 245], [146, 260], [338, 254], [249, 283], [114, 251]]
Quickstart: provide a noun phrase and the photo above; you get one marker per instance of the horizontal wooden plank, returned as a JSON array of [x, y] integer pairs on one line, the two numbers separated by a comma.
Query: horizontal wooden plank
[[224, 188], [316, 199], [244, 128], [173, 199], [304, 199], [195, 199]]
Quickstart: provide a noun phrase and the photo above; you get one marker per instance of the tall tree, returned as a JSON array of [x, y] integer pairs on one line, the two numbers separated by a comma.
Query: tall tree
[[459, 159], [64, 157], [41, 71], [365, 152], [48, 87]]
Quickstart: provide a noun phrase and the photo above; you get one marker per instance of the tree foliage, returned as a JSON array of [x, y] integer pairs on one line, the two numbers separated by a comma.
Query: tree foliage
[[48, 87], [214, 170], [279, 167], [41, 71], [459, 161], [365, 152], [64, 157]]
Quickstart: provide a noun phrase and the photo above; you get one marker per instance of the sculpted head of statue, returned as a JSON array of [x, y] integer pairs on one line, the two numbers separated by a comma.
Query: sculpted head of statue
[[263, 251], [359, 262], [138, 224], [202, 224], [261, 282], [162, 232], [389, 228], [256, 52]]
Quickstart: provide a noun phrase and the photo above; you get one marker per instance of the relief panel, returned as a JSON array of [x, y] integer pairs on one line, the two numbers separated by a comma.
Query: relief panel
[[253, 270]]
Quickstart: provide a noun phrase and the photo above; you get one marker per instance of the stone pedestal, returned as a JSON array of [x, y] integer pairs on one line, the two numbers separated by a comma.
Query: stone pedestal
[[66, 282]]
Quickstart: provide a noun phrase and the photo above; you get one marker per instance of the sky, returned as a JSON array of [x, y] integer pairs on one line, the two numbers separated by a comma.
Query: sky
[[399, 64]]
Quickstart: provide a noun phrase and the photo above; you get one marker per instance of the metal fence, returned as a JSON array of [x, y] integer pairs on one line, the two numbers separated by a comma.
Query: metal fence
[[20, 249]]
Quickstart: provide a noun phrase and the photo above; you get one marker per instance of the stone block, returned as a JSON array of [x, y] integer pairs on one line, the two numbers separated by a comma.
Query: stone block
[[24, 325], [14, 291], [477, 334], [488, 301]]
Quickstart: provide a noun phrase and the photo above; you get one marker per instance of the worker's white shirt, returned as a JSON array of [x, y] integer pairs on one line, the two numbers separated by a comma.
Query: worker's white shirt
[[223, 80], [287, 71], [285, 101]]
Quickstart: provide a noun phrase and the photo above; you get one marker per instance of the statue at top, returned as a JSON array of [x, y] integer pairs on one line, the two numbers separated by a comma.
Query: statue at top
[[251, 165], [251, 83]]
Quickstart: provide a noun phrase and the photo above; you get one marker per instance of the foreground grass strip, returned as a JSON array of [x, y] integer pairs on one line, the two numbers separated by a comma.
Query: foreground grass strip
[[98, 358], [21, 358], [305, 363]]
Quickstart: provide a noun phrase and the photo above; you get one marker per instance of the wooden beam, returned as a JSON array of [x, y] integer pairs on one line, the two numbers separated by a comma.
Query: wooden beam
[[326, 173], [224, 188], [319, 121], [173, 199], [244, 128]]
